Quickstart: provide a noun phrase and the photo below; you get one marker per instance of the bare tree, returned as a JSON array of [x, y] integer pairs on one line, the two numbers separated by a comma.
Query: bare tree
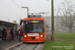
[[66, 11]]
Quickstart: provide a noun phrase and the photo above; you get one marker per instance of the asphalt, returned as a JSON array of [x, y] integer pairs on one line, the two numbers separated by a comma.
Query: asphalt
[[8, 43], [5, 45]]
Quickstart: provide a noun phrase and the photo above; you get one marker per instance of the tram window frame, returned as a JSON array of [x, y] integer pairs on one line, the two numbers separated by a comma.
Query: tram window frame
[[33, 26]]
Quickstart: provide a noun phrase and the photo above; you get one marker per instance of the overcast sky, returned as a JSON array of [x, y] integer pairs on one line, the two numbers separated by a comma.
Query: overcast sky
[[11, 10]]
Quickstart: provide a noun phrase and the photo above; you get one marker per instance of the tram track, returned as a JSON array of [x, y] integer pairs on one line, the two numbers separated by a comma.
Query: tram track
[[30, 47], [18, 47], [25, 46], [35, 47]]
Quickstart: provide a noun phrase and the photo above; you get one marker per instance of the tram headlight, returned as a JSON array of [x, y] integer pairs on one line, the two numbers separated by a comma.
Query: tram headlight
[[41, 35], [24, 35]]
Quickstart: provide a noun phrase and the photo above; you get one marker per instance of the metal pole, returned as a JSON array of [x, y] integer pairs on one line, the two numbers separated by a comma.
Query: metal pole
[[27, 10], [52, 14]]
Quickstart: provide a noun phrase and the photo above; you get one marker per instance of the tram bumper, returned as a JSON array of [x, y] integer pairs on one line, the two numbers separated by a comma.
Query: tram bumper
[[34, 39]]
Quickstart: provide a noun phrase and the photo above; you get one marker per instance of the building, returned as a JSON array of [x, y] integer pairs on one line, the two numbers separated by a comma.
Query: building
[[7, 26]]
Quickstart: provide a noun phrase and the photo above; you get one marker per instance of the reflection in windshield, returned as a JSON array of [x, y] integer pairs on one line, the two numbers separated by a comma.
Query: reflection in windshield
[[38, 30], [33, 27]]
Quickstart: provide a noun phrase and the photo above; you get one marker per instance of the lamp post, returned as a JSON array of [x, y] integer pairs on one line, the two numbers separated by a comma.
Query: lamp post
[[27, 10], [52, 15]]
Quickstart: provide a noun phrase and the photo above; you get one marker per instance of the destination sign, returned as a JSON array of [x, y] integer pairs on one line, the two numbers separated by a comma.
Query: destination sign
[[33, 21]]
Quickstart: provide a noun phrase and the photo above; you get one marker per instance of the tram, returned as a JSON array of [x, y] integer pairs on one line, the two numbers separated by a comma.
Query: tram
[[34, 30]]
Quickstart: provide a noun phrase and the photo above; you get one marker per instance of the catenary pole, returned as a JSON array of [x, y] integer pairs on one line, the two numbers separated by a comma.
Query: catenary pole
[[52, 16], [27, 10]]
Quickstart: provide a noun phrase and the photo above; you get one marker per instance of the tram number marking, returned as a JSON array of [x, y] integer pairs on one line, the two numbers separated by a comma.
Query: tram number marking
[[37, 37]]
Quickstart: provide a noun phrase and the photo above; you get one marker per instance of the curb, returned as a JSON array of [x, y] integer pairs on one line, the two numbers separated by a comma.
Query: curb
[[13, 46]]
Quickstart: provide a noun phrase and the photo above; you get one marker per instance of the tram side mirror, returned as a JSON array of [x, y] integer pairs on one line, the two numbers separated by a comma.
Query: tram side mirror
[[21, 22]]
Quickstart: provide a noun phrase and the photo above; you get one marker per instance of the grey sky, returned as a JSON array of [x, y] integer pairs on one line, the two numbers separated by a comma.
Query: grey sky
[[9, 10]]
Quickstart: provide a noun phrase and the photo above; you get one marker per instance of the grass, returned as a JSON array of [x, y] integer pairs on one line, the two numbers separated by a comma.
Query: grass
[[65, 36], [58, 45]]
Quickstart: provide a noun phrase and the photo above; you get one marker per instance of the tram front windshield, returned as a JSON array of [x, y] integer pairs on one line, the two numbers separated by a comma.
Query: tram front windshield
[[33, 26]]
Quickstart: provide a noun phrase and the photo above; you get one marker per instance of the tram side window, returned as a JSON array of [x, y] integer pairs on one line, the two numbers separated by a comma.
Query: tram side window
[[46, 28]]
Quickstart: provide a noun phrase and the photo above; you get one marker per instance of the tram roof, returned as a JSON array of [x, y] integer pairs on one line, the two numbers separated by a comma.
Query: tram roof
[[33, 19]]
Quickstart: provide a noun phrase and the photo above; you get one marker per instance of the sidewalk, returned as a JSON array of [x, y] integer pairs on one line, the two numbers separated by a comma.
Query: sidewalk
[[8, 43]]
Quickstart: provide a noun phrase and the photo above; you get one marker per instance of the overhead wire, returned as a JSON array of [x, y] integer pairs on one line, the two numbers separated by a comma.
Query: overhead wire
[[47, 7], [39, 5], [16, 4], [18, 7]]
